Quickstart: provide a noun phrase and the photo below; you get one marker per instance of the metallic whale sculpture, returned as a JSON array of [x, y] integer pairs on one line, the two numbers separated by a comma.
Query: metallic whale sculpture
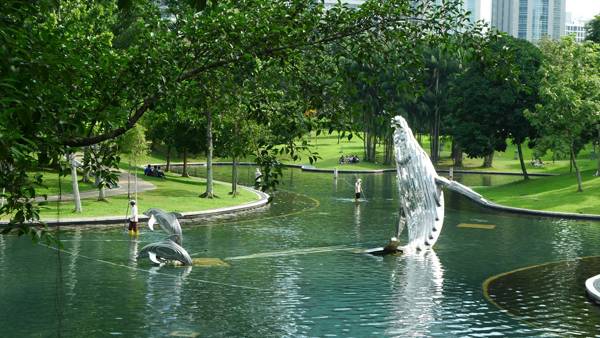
[[169, 249], [420, 190]]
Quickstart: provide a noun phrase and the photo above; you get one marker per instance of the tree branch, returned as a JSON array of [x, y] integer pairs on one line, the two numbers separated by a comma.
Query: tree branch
[[151, 100]]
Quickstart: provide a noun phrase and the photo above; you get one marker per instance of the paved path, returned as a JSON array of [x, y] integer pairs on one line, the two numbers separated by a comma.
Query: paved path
[[120, 190]]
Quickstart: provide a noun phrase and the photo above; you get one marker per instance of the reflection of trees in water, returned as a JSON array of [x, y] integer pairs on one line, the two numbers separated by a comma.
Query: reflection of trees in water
[[417, 286]]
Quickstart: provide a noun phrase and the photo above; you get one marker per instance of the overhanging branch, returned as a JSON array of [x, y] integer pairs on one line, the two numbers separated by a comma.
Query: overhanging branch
[[150, 101]]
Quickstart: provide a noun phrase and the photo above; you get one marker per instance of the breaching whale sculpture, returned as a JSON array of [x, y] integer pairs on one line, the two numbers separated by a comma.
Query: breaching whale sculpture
[[169, 249], [420, 190]]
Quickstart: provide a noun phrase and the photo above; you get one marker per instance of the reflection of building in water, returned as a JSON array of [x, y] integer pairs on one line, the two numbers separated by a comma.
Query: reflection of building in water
[[417, 284]]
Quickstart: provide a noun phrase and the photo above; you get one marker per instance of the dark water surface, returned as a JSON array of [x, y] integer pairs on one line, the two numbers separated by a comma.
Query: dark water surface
[[295, 271]]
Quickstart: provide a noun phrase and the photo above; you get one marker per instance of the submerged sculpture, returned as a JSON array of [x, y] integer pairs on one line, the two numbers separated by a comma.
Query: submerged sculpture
[[420, 190], [169, 249]]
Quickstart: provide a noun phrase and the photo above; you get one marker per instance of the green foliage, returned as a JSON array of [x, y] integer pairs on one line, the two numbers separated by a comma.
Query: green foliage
[[569, 105], [103, 161], [592, 29], [134, 143], [489, 97]]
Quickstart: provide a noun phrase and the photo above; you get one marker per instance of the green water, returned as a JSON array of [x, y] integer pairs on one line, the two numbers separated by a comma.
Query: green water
[[294, 272]]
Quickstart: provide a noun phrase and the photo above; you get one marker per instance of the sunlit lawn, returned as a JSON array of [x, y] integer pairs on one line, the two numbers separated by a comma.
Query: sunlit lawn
[[173, 194]]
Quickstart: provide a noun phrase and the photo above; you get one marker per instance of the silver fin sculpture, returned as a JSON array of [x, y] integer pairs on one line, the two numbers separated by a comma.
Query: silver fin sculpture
[[420, 190], [164, 251], [169, 249], [167, 221]]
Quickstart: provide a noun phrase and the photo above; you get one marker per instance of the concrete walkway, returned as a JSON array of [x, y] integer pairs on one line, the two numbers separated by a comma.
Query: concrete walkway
[[120, 190]]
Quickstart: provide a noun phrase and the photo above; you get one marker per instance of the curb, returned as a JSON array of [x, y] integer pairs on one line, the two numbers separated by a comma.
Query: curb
[[192, 215], [532, 212], [310, 168]]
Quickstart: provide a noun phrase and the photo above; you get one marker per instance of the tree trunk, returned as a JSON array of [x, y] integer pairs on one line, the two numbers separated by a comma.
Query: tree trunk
[[75, 184], [435, 137], [234, 177], [457, 154], [168, 167], [389, 149], [571, 161], [184, 171], [101, 194], [597, 152], [577, 172], [374, 150], [523, 168], [209, 157], [367, 146], [488, 160]]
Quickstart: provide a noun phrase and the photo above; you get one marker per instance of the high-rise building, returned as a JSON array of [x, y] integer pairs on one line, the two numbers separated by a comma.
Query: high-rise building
[[349, 3], [531, 20], [473, 6], [577, 28]]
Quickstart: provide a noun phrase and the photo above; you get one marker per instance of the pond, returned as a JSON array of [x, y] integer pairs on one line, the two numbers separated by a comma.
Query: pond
[[295, 269]]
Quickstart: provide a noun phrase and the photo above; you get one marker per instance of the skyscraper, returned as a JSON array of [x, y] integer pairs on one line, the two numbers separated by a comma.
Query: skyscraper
[[473, 6], [577, 28], [530, 19]]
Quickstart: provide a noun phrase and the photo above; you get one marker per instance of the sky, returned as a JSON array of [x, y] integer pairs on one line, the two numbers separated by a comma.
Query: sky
[[585, 9]]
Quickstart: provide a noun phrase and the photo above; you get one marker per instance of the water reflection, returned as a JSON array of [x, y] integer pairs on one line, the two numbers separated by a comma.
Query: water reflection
[[164, 281], [418, 285], [2, 255], [71, 281], [567, 240]]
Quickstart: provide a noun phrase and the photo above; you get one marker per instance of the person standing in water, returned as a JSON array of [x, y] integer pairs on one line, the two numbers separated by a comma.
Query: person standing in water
[[257, 178], [357, 189], [133, 220]]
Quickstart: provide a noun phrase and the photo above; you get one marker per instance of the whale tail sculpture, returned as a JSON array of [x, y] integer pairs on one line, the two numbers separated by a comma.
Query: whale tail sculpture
[[420, 190], [169, 249]]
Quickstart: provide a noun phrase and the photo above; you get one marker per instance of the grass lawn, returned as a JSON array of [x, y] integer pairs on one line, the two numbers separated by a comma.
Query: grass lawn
[[173, 194], [557, 193], [50, 184], [330, 148]]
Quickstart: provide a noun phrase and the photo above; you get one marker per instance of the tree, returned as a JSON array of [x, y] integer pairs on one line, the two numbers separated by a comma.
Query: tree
[[569, 97], [78, 73], [478, 99], [133, 143], [592, 29], [103, 159]]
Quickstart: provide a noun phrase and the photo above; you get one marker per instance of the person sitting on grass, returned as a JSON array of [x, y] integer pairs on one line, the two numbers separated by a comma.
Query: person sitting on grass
[[148, 171], [157, 173]]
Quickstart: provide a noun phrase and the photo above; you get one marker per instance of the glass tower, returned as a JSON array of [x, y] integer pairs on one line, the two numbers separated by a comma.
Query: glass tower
[[530, 19]]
